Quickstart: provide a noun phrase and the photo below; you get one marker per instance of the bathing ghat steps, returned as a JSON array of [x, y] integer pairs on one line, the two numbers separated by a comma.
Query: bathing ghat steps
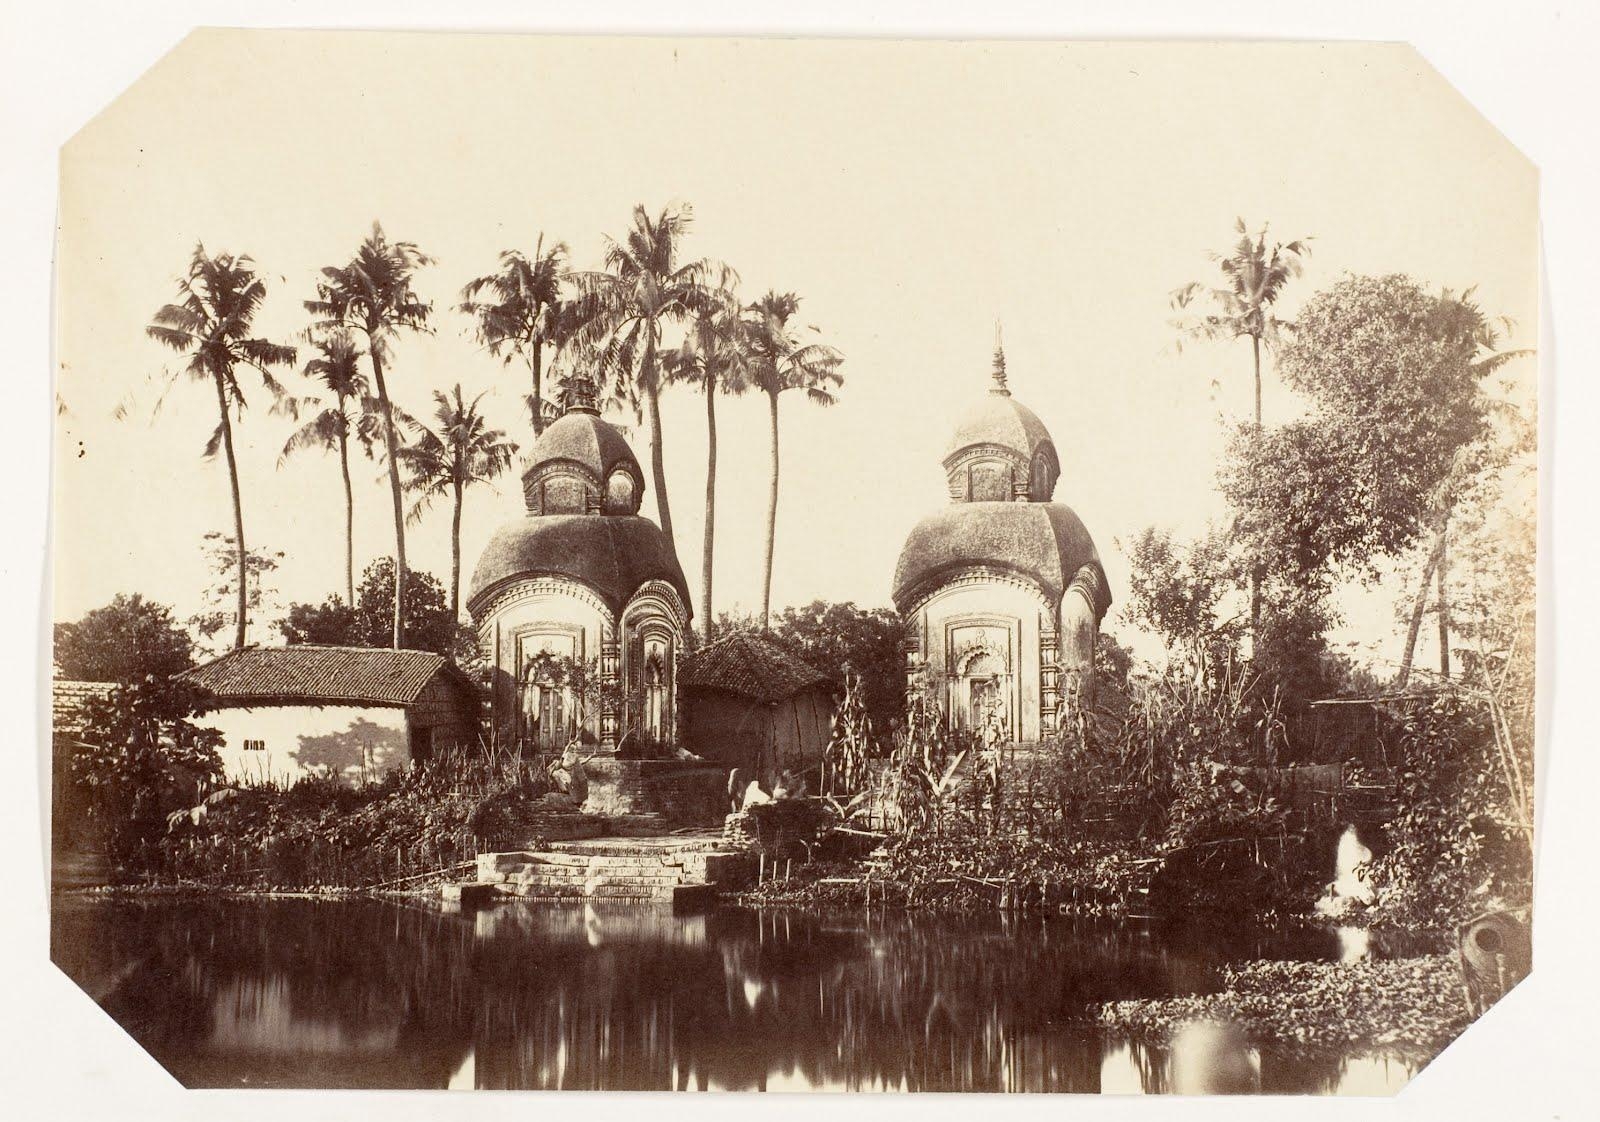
[[679, 871]]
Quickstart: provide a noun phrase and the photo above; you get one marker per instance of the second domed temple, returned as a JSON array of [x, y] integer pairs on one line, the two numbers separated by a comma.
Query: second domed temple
[[1003, 588]]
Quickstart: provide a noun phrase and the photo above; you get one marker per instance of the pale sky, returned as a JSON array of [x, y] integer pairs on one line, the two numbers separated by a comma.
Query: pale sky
[[911, 193]]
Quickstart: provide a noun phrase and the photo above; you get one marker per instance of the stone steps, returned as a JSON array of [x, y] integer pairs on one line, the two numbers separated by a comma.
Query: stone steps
[[661, 869]]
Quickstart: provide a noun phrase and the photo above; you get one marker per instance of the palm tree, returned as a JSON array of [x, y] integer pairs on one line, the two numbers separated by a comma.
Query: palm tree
[[781, 362], [348, 411], [518, 311], [1254, 276], [642, 290], [461, 451], [217, 305], [372, 294], [715, 356]]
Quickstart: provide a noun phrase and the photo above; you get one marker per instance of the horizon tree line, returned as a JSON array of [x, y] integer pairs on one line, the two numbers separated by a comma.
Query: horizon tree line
[[646, 320]]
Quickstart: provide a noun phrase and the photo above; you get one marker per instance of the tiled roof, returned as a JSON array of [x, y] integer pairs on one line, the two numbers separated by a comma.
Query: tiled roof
[[66, 701], [748, 664], [311, 675]]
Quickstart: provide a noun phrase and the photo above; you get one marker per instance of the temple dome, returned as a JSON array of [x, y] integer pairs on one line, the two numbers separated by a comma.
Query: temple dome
[[1045, 543], [581, 464], [615, 556], [584, 439], [998, 419]]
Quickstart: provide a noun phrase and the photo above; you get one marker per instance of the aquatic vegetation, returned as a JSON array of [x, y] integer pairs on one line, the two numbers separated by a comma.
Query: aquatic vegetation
[[1410, 1007]]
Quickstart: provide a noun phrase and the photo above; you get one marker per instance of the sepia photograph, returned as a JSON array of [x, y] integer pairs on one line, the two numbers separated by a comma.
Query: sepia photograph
[[750, 564]]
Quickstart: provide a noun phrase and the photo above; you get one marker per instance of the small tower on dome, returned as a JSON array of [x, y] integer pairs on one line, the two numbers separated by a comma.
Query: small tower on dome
[[579, 395], [999, 372]]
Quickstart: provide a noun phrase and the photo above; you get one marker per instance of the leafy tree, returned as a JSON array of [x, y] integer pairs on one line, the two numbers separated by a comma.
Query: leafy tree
[[218, 301], [348, 412], [1178, 592], [517, 312], [256, 591], [333, 623], [715, 356], [460, 451], [1401, 418], [831, 637], [1254, 275], [138, 757], [643, 289], [429, 623], [129, 639], [780, 361], [372, 294]]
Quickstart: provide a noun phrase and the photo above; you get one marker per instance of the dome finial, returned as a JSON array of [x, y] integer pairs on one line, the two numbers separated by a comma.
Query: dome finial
[[579, 394], [999, 373]]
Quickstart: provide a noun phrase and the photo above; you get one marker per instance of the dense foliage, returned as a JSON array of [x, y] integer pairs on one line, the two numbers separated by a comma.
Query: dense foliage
[[1407, 1007], [129, 638], [137, 757], [835, 637], [429, 623], [324, 833]]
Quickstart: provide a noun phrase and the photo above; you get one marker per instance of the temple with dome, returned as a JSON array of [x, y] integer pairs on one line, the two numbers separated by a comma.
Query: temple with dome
[[581, 577], [1003, 589]]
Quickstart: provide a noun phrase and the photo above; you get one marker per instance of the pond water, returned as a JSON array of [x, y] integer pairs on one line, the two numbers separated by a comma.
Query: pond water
[[368, 993]]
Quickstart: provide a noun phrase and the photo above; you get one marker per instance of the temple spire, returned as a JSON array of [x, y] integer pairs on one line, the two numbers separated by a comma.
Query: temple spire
[[580, 395], [999, 372]]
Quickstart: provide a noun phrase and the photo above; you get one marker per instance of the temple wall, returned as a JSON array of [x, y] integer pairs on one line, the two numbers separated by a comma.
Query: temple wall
[[539, 614], [980, 626]]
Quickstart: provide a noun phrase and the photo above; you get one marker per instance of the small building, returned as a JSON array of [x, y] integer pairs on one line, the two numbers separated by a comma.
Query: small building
[[749, 703], [582, 581], [352, 712], [1003, 588]]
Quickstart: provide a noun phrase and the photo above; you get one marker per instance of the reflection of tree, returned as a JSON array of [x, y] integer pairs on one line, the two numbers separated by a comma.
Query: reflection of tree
[[550, 996], [364, 750]]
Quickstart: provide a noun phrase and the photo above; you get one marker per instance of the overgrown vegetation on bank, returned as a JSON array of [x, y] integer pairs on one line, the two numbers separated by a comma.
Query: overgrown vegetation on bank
[[1408, 1008]]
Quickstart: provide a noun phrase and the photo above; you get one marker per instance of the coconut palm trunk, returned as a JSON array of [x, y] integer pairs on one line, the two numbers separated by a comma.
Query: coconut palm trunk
[[349, 514], [238, 510], [391, 447], [455, 552], [772, 518], [1256, 570], [536, 364], [658, 464], [1443, 575], [709, 625]]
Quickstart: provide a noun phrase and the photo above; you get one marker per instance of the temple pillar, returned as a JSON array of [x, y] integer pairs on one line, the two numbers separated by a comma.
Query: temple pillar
[[1049, 677], [610, 669]]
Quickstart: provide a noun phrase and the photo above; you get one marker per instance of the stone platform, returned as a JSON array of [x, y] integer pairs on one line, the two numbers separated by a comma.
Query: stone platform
[[681, 870]]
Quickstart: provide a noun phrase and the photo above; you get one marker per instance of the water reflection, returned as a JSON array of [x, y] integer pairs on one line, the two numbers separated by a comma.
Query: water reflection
[[367, 993]]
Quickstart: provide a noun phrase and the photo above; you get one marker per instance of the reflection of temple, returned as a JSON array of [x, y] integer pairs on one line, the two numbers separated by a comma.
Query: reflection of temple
[[583, 577], [1003, 587]]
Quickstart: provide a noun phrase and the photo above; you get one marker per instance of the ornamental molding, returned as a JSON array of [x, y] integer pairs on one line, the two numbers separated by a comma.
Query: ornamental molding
[[659, 598], [518, 589], [974, 453], [969, 576], [1090, 583]]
